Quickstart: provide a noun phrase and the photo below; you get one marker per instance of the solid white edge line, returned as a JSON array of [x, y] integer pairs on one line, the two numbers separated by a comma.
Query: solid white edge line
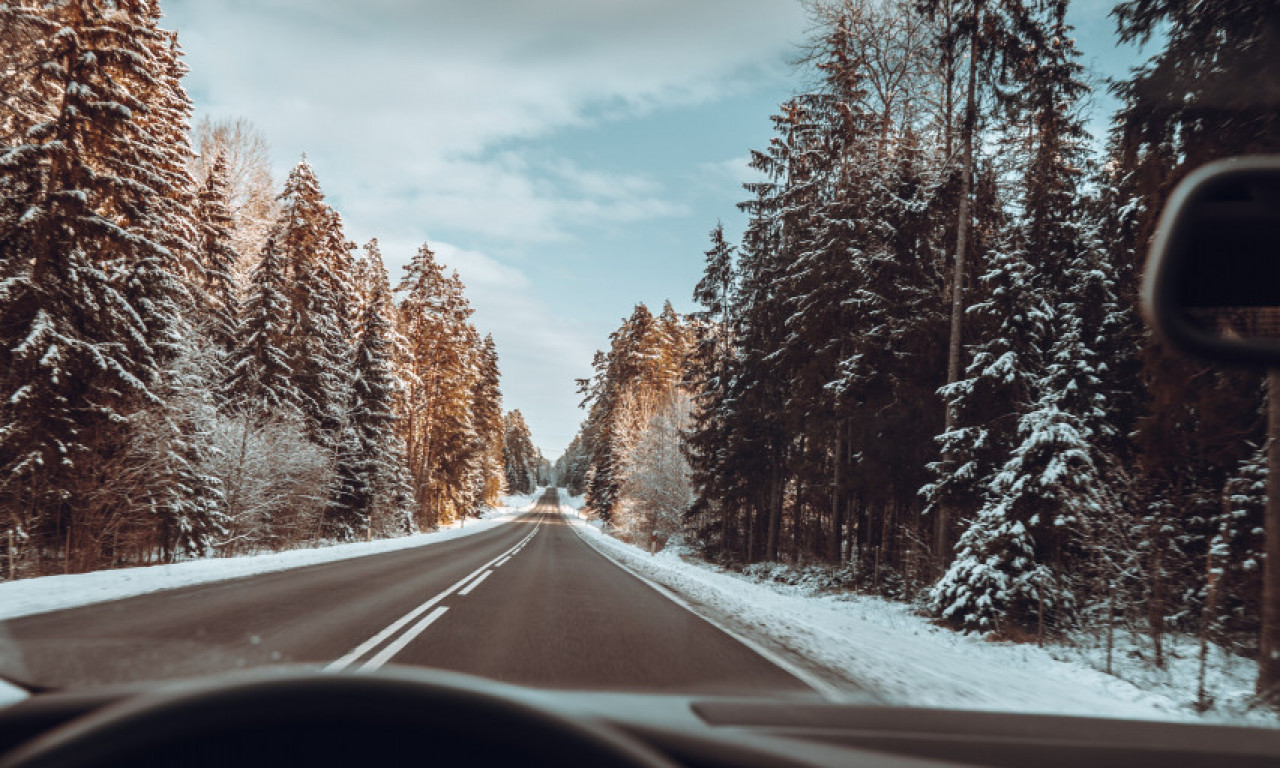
[[385, 654], [350, 657], [474, 583], [824, 689]]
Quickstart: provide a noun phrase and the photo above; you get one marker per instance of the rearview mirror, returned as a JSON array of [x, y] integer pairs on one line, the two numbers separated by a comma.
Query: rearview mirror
[[1212, 284]]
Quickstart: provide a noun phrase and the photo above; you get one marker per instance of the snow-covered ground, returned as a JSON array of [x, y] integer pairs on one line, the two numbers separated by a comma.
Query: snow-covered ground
[[857, 641], [10, 694], [53, 593]]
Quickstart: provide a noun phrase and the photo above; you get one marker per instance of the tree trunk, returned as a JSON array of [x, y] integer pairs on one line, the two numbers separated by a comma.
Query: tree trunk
[[1155, 602], [837, 520], [775, 512], [1111, 622], [1207, 618], [948, 86], [1269, 636], [943, 514]]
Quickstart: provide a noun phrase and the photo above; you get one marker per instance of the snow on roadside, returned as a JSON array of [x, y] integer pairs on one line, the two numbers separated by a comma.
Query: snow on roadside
[[11, 694], [884, 646], [55, 593]]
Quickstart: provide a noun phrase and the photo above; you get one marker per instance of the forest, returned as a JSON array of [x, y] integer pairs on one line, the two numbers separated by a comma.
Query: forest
[[194, 361], [923, 368]]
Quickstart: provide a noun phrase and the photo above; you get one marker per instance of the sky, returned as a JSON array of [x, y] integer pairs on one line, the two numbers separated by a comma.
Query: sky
[[567, 157]]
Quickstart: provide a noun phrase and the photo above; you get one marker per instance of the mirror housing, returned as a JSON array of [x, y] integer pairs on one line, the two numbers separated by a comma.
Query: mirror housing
[[1212, 282]]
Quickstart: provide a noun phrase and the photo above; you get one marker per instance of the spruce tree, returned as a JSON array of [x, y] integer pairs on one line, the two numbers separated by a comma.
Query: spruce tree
[[440, 369], [218, 257], [995, 566], [1181, 109], [371, 469], [88, 279], [260, 382], [315, 260], [708, 379], [519, 454], [488, 419]]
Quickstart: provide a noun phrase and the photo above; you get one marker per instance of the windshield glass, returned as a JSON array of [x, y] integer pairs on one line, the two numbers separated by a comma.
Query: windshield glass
[[767, 348]]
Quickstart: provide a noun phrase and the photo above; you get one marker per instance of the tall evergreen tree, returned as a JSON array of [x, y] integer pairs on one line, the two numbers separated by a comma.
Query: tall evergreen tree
[[218, 257], [371, 469], [488, 419], [1183, 108], [260, 379], [520, 457], [316, 262], [85, 325], [708, 378], [439, 368]]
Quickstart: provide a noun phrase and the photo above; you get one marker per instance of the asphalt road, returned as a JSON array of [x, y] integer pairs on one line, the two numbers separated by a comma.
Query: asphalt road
[[527, 602]]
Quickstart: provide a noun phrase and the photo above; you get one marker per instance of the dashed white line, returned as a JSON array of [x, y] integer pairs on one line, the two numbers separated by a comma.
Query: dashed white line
[[385, 654], [475, 583], [397, 645]]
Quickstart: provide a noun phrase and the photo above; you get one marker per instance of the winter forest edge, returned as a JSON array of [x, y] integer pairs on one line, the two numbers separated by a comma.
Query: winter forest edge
[[921, 369], [923, 374], [195, 362]]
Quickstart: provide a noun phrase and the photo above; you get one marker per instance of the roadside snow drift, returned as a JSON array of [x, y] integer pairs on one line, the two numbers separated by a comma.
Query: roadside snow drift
[[870, 645], [54, 593]]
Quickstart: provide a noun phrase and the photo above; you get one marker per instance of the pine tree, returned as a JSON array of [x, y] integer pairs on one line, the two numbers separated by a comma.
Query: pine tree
[[1237, 552], [316, 263], [995, 567], [218, 258], [440, 368], [88, 272], [489, 426], [371, 470], [633, 382], [757, 432], [183, 500], [1184, 108], [1010, 568], [519, 455], [708, 380], [250, 187], [260, 376]]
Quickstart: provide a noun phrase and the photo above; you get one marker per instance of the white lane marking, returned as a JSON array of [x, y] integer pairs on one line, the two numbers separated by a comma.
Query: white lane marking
[[475, 583], [391, 650], [825, 689], [395, 626], [503, 560]]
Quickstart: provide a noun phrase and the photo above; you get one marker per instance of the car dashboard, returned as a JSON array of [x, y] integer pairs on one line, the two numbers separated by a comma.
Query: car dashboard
[[707, 732]]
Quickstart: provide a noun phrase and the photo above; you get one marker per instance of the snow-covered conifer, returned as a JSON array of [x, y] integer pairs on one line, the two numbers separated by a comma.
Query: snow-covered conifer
[[371, 464], [89, 275], [218, 258], [260, 376]]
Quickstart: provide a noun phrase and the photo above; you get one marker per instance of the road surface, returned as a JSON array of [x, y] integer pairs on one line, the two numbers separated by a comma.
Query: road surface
[[528, 602]]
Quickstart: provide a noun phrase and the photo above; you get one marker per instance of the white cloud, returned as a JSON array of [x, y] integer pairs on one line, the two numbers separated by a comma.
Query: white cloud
[[541, 351], [419, 118], [393, 90]]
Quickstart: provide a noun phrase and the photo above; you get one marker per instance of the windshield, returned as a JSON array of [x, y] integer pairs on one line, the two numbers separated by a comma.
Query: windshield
[[770, 348]]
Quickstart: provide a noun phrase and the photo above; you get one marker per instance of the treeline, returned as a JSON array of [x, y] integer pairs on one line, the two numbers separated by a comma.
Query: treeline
[[627, 457], [523, 464], [923, 364], [164, 393]]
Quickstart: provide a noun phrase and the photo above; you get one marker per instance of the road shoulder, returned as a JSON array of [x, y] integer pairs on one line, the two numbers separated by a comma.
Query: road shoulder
[[27, 597], [861, 643]]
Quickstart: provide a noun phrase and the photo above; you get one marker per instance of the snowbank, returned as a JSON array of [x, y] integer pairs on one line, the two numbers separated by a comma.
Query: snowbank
[[868, 643], [54, 593], [10, 694]]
